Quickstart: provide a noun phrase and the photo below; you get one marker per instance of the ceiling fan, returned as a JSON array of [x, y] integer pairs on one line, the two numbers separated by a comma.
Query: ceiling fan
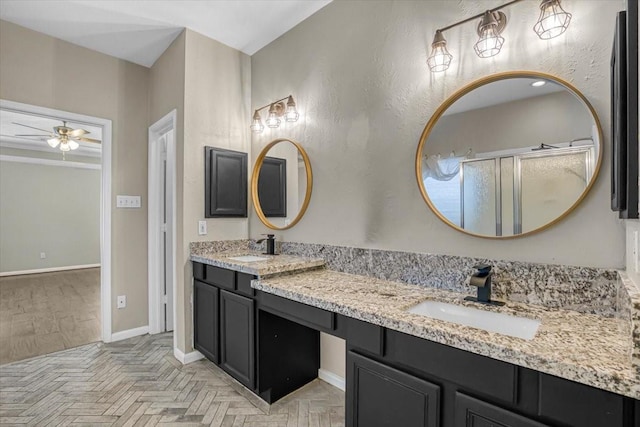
[[65, 137]]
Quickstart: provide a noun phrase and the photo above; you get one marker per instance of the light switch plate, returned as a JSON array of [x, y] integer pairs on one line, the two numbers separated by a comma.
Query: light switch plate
[[128, 201], [202, 228]]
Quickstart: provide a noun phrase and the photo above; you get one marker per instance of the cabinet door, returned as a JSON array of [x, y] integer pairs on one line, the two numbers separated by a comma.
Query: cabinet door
[[205, 319], [472, 412], [380, 396], [225, 183], [237, 353]]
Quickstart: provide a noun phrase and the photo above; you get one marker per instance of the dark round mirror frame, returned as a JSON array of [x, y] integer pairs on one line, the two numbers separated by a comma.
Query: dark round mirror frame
[[256, 174], [481, 82]]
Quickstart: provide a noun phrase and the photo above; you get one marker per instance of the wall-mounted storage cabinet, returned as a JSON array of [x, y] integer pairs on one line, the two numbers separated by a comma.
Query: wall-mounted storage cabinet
[[225, 184]]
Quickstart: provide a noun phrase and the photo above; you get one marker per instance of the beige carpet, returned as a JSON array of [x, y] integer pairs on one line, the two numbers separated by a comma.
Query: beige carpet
[[43, 313]]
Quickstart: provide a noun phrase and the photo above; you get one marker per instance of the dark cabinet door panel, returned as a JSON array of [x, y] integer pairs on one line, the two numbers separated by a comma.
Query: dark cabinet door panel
[[472, 412], [205, 319], [225, 183], [237, 348], [380, 396]]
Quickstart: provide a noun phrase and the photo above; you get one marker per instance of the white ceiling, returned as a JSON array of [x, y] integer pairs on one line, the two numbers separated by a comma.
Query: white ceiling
[[141, 30]]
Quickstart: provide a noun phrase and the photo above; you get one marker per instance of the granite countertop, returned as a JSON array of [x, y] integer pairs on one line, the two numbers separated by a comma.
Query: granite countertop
[[274, 264], [585, 348]]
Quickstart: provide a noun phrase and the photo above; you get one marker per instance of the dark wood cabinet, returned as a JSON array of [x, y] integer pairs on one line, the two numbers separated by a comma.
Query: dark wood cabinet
[[225, 184], [205, 319], [472, 412], [237, 337], [381, 396], [272, 187]]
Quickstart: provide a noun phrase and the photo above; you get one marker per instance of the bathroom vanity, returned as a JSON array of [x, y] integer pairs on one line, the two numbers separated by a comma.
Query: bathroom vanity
[[260, 322]]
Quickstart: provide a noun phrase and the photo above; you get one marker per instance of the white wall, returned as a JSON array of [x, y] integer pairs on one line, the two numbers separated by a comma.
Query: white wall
[[358, 72], [49, 209]]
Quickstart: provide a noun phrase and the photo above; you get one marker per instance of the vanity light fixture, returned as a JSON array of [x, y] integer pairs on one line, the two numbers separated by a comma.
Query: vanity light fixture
[[553, 21], [277, 109]]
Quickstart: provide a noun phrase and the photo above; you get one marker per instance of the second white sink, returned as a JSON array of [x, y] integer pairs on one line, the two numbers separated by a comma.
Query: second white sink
[[248, 258], [514, 326]]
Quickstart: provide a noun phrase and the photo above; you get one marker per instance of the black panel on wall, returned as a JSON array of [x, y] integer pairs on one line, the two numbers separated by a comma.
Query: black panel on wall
[[225, 184], [272, 187]]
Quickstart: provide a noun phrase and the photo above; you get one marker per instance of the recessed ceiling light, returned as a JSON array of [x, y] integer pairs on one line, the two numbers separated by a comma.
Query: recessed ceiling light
[[538, 83]]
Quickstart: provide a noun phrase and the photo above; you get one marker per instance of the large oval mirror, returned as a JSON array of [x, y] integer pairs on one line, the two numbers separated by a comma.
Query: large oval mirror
[[509, 155], [281, 184]]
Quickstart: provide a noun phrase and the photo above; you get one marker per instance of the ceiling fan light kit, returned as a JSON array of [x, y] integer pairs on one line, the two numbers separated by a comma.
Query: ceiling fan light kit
[[63, 137]]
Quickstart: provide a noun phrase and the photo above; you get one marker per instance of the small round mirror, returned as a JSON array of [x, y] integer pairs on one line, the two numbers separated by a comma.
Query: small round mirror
[[281, 184], [509, 154]]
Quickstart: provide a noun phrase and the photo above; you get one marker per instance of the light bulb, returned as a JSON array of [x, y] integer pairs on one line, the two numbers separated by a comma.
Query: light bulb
[[490, 41], [538, 83], [257, 125], [291, 115], [73, 144], [64, 146], [53, 142], [553, 20], [440, 58], [273, 121]]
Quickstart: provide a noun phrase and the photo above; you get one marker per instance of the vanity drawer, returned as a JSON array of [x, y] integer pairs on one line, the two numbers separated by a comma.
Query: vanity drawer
[[221, 277], [366, 336], [302, 313], [480, 374], [243, 282]]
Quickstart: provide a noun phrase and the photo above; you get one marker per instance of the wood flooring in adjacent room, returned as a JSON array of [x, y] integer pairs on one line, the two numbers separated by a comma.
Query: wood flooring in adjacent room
[[138, 382], [43, 313]]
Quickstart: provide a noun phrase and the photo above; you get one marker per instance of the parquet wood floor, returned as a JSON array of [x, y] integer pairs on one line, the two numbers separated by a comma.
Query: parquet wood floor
[[43, 313], [138, 382]]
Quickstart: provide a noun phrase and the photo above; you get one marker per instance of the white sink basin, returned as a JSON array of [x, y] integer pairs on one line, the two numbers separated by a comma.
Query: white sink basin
[[248, 258], [514, 326]]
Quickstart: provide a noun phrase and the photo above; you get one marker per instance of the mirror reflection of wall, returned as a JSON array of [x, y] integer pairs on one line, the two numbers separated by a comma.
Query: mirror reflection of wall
[[510, 156], [281, 186]]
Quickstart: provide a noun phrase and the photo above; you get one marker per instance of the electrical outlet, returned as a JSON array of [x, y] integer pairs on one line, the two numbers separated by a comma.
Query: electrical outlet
[[122, 301], [43, 255], [202, 228]]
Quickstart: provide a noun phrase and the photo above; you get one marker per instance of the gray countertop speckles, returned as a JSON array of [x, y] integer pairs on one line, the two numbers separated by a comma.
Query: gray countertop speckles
[[585, 348], [275, 264]]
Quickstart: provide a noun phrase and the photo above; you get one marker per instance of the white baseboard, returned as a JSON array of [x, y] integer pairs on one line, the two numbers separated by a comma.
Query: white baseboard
[[129, 333], [48, 270], [331, 378], [185, 359]]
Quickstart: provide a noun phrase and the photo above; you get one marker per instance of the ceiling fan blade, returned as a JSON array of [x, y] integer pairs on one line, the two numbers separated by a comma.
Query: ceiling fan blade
[[96, 141], [78, 132], [27, 126]]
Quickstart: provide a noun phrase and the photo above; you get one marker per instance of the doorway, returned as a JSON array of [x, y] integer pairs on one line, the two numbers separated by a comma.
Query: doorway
[[162, 228], [41, 146]]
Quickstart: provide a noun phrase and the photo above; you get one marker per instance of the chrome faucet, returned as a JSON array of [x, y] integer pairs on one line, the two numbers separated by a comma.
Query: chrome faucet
[[482, 280], [271, 243]]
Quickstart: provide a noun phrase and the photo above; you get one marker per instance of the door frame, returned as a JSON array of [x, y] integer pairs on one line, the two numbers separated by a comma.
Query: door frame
[[156, 130], [105, 197]]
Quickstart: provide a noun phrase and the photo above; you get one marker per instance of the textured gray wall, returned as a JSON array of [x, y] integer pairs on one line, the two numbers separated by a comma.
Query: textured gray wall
[[358, 72]]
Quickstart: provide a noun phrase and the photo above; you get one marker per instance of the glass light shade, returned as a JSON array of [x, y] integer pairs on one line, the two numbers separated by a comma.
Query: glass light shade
[[440, 58], [291, 115], [553, 20], [64, 146], [73, 144], [53, 142], [273, 121], [257, 125], [490, 42]]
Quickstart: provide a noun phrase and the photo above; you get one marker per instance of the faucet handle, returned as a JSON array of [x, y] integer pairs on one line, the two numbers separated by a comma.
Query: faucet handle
[[483, 269], [269, 236]]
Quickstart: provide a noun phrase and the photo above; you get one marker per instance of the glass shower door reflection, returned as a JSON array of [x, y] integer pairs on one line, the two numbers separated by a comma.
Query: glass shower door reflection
[[478, 185]]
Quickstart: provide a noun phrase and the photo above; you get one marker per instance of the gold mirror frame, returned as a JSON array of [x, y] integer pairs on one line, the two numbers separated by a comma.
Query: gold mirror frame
[[256, 174], [481, 82]]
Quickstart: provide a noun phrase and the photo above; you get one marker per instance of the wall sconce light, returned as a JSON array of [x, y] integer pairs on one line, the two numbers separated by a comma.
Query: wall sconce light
[[553, 21], [277, 109]]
